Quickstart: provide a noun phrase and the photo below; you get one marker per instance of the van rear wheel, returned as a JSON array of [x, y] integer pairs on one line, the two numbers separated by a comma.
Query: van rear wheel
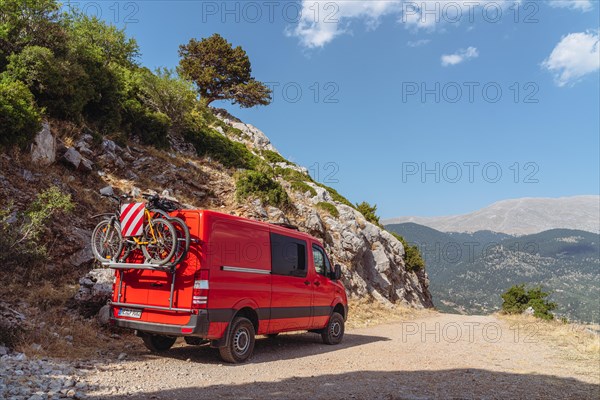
[[158, 343], [334, 331], [240, 341]]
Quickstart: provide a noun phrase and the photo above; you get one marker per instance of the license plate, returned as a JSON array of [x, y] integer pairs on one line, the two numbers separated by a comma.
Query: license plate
[[131, 313]]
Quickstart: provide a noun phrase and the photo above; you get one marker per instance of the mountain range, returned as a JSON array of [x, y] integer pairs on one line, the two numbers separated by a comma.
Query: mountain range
[[520, 216], [469, 271]]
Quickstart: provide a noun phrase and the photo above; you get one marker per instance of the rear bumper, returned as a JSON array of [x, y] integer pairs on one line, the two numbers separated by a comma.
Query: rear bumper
[[197, 326]]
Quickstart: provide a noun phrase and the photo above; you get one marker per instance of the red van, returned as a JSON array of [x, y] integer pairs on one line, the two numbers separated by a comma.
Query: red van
[[240, 278]]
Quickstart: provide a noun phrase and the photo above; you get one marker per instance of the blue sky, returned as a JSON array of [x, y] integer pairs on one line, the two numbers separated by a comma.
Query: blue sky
[[362, 122]]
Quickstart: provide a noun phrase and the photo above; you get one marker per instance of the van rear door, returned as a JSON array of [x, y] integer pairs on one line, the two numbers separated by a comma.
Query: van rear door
[[158, 296]]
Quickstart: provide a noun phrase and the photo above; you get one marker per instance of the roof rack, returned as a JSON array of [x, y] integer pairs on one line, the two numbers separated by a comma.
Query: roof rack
[[284, 225]]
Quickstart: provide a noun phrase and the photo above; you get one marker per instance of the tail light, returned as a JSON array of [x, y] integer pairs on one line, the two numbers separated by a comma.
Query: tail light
[[200, 293]]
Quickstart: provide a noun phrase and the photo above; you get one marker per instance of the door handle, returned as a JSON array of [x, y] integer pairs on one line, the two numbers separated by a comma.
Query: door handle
[[317, 283], [306, 283]]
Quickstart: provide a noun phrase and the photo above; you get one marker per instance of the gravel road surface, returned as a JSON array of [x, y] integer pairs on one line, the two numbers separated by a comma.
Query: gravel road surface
[[434, 356]]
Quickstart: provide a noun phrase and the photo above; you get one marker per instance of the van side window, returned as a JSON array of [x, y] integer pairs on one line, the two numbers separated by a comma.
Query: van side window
[[288, 256], [322, 265]]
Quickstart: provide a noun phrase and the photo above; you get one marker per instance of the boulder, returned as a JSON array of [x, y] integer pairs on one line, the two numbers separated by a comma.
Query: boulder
[[84, 143], [529, 311], [110, 152], [95, 289], [276, 215], [12, 324], [43, 149], [72, 157], [104, 315], [314, 223]]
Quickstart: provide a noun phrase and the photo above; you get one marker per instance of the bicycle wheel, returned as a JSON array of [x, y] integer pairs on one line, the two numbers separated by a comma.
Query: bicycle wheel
[[183, 234], [162, 238], [107, 241]]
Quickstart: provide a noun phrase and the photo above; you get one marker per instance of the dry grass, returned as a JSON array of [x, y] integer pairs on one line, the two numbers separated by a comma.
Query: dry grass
[[578, 342], [60, 334], [55, 331], [363, 313]]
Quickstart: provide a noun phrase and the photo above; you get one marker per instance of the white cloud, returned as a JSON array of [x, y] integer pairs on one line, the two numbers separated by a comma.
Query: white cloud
[[582, 5], [575, 56], [418, 43], [460, 56], [321, 21]]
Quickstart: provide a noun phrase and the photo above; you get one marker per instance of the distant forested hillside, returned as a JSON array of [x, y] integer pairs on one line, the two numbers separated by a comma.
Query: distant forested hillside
[[469, 272]]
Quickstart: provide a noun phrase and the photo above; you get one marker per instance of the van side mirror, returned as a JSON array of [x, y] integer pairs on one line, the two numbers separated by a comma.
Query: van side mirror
[[337, 272]]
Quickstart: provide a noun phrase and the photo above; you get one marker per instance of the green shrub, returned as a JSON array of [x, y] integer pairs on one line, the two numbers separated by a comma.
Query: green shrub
[[369, 212], [257, 184], [517, 299], [291, 175], [150, 126], [62, 88], [164, 92], [413, 260], [30, 23], [303, 187], [23, 245], [208, 142], [273, 157], [330, 208], [19, 116]]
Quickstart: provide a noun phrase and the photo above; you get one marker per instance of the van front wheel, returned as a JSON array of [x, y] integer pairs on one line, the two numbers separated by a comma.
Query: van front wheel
[[240, 341], [334, 331], [158, 343]]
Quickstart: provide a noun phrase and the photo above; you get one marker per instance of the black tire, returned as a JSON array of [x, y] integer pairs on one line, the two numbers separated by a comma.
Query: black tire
[[107, 242], [334, 331], [158, 343], [162, 251], [183, 239], [183, 234], [241, 342]]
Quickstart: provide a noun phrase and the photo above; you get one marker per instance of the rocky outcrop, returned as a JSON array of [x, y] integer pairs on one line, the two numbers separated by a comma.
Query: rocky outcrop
[[75, 160], [95, 290], [43, 149], [12, 324], [371, 258]]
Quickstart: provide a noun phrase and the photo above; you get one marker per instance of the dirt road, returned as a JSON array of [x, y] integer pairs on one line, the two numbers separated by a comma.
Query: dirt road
[[434, 356]]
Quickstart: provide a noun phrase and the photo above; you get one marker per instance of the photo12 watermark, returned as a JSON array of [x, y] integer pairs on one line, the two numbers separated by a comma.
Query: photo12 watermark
[[468, 331], [326, 172], [254, 12], [470, 92], [116, 12], [525, 172], [455, 252], [295, 92], [426, 13]]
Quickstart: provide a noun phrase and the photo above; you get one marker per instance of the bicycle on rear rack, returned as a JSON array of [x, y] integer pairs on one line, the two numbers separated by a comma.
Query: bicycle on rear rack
[[160, 208], [133, 226]]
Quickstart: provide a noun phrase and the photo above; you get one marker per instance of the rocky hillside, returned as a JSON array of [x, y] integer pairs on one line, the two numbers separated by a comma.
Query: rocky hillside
[[79, 162], [520, 216]]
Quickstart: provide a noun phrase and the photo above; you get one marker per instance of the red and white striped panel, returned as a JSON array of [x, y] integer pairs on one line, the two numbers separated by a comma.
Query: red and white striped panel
[[132, 219]]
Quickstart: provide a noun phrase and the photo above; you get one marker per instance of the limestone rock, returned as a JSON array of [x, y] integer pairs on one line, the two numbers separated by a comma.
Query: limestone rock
[[43, 150], [72, 157], [95, 289]]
